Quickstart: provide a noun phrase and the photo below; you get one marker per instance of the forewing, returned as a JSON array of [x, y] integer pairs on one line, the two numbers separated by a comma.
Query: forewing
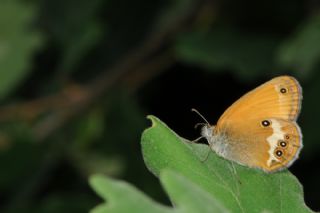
[[278, 98]]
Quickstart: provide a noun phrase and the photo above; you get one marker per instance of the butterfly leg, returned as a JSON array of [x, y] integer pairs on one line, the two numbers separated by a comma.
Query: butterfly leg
[[206, 158], [235, 172], [195, 140], [237, 181]]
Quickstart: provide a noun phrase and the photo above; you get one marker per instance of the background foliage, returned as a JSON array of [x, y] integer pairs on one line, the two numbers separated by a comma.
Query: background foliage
[[78, 77]]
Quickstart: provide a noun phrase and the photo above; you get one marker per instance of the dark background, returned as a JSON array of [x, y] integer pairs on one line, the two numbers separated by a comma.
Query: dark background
[[78, 77]]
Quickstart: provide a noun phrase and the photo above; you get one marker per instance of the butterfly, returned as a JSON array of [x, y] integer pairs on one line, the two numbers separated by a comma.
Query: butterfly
[[259, 130]]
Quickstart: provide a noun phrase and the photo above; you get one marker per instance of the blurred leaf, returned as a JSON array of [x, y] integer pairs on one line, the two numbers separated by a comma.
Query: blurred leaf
[[75, 26], [18, 43], [92, 163], [59, 202], [310, 116], [172, 12], [248, 55], [78, 45], [98, 134], [19, 155], [124, 121], [301, 51], [122, 197], [18, 163], [65, 203], [238, 188], [89, 128]]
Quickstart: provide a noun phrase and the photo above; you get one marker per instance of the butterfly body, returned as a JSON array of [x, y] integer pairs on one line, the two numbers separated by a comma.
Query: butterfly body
[[260, 130]]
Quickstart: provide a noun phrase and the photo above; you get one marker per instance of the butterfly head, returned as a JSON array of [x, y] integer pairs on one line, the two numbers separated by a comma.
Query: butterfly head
[[207, 131]]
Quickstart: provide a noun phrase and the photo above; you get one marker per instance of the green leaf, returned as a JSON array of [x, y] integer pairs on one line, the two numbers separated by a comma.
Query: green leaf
[[215, 185], [187, 196], [18, 43], [300, 52], [248, 55], [238, 188], [122, 197]]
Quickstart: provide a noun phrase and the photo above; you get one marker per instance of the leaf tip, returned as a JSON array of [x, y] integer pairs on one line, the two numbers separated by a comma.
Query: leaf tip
[[94, 180], [154, 120]]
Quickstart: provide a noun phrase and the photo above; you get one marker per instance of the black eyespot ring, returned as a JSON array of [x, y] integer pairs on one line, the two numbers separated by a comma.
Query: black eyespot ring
[[265, 123], [283, 143], [283, 90], [287, 137], [279, 153]]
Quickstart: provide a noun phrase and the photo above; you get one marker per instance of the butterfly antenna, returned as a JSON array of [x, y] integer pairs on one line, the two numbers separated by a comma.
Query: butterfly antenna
[[196, 111]]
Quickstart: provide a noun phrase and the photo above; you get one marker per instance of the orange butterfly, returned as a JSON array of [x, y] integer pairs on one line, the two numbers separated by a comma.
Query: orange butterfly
[[260, 130]]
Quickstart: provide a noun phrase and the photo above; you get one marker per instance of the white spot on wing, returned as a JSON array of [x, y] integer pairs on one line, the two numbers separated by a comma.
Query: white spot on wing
[[273, 139]]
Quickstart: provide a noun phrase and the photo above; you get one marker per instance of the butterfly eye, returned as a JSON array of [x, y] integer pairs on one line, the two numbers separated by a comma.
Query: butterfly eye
[[283, 90], [279, 153], [283, 143], [265, 123]]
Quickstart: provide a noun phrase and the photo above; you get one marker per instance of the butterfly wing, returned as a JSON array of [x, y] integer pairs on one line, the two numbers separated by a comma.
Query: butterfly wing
[[280, 97], [260, 127]]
